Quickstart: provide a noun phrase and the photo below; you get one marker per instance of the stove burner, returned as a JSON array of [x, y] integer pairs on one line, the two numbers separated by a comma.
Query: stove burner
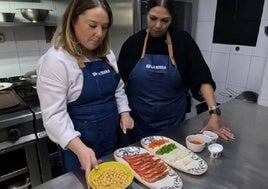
[[28, 94]]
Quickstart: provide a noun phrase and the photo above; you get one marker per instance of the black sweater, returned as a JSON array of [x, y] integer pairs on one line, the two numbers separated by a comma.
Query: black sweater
[[190, 62]]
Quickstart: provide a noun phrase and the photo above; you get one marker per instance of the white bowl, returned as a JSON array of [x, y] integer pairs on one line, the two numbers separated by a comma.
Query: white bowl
[[205, 138], [215, 150], [195, 143], [213, 136]]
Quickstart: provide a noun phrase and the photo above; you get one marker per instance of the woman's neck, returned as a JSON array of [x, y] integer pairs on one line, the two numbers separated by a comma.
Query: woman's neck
[[91, 55]]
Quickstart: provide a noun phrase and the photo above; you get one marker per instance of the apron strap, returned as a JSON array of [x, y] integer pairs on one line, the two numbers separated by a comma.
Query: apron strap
[[170, 49], [169, 43], [80, 62], [110, 64], [145, 44]]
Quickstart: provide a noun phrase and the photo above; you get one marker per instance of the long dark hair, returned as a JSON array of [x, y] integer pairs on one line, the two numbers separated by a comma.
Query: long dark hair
[[168, 4]]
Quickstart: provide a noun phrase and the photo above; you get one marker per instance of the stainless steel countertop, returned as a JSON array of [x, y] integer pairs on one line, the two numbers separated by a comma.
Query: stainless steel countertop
[[242, 165]]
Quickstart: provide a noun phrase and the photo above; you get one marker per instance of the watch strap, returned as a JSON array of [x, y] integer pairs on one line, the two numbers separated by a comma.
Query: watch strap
[[212, 107], [214, 110]]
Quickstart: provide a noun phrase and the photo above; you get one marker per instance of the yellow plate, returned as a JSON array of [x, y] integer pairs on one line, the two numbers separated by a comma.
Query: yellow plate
[[110, 175]]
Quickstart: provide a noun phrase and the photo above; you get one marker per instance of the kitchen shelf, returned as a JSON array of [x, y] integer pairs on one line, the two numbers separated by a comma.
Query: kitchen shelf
[[36, 1], [26, 24]]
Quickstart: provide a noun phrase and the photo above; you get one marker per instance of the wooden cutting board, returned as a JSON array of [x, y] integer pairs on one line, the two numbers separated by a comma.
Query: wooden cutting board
[[8, 99]]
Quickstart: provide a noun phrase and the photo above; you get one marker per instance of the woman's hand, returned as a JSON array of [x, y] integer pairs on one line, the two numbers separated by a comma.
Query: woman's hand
[[87, 160], [126, 122], [86, 155], [214, 124]]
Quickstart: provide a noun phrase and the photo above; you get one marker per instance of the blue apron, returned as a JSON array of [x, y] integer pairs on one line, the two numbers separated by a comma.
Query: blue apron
[[156, 94], [94, 113]]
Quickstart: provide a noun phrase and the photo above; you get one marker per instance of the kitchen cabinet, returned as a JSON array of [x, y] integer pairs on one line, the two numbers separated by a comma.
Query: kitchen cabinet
[[33, 1], [50, 27]]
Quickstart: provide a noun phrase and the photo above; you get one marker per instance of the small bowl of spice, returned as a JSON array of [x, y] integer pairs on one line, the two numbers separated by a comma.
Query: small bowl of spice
[[215, 150], [195, 143]]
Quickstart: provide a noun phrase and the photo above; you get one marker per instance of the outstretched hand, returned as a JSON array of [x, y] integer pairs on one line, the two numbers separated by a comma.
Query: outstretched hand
[[214, 124]]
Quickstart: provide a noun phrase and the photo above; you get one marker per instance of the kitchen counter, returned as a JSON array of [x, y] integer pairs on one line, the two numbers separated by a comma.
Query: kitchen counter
[[242, 164]]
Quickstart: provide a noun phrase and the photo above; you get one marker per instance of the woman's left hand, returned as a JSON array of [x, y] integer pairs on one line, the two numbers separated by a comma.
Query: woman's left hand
[[214, 124], [126, 122]]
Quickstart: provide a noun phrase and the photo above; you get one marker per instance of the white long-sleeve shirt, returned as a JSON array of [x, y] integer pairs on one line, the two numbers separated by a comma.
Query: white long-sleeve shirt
[[59, 82]]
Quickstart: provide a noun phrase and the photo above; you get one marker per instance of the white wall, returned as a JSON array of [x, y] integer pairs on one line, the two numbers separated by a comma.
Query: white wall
[[263, 98], [24, 45], [234, 71]]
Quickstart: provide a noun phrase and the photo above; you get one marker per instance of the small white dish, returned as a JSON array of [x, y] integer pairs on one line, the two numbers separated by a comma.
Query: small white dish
[[215, 150], [195, 143], [205, 138], [213, 136], [5, 85]]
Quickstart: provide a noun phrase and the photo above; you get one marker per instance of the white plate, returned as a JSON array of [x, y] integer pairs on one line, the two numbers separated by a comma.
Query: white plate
[[180, 158], [172, 180], [5, 85]]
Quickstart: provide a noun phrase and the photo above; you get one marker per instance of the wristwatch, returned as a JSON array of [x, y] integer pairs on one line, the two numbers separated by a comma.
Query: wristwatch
[[214, 110]]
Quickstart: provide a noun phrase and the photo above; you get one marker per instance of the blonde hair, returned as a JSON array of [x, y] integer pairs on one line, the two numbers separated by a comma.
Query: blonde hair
[[66, 37]]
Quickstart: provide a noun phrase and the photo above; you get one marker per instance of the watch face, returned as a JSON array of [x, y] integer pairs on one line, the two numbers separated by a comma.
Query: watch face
[[218, 111], [215, 111]]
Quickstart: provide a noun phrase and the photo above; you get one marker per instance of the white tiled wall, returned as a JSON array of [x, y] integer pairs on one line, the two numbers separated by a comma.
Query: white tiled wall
[[256, 73], [263, 98], [219, 61], [24, 45], [233, 70]]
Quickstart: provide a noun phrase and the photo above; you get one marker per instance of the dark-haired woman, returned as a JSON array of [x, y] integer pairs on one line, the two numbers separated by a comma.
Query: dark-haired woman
[[159, 65]]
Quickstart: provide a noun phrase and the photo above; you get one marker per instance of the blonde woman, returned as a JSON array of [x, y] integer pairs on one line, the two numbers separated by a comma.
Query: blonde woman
[[82, 98]]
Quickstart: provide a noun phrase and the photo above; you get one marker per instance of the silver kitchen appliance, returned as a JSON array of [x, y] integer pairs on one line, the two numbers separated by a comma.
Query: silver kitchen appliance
[[23, 139], [18, 154], [48, 155]]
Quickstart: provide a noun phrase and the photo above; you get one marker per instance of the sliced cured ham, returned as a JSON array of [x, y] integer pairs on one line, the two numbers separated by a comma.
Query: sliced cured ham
[[148, 169], [147, 166]]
